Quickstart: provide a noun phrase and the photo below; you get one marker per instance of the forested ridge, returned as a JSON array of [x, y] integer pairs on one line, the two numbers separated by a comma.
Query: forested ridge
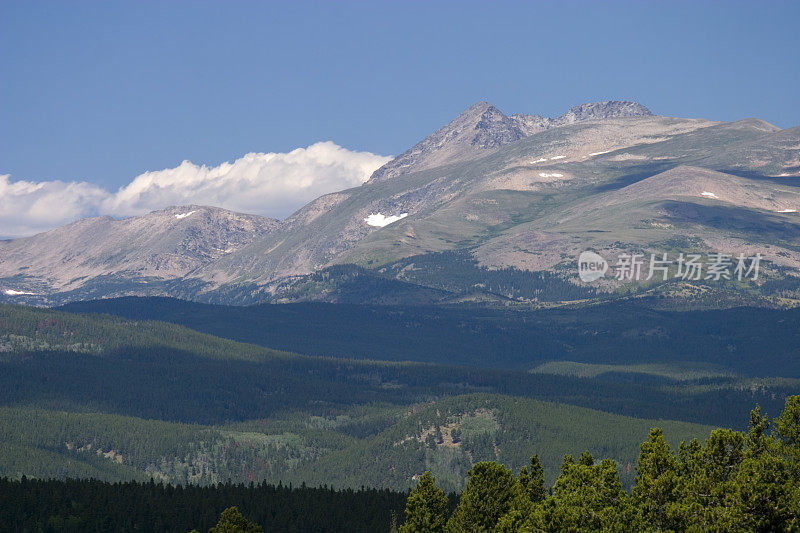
[[124, 399], [729, 481], [755, 342], [377, 445], [163, 371]]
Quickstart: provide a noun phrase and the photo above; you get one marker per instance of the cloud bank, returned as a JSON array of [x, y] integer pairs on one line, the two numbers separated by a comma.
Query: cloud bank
[[268, 184]]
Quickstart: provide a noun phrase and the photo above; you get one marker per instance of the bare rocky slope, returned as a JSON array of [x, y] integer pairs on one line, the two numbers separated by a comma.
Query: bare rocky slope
[[518, 191], [161, 245]]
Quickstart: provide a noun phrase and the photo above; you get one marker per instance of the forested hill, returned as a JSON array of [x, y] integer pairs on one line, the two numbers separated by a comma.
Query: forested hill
[[88, 395], [30, 329], [750, 341]]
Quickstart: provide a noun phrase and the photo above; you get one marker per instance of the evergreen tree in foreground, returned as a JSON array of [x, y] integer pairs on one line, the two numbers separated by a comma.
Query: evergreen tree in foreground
[[532, 480], [426, 509], [491, 492], [232, 521], [656, 492]]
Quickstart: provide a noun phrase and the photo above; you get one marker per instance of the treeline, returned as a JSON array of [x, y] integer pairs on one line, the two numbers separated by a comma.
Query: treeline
[[30, 505], [351, 284], [735, 481]]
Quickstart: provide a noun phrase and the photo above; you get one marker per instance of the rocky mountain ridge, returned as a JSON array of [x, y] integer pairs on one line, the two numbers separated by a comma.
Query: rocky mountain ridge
[[516, 192], [165, 244]]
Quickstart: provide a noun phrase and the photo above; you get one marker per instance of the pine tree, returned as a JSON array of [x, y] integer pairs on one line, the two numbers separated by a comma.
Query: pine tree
[[426, 508], [532, 481], [657, 489], [586, 497], [788, 426], [767, 481], [514, 522], [430, 441], [756, 438], [491, 492], [232, 521]]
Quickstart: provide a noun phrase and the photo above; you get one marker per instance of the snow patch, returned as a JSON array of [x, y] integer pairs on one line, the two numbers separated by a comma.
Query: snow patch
[[12, 292], [540, 160], [710, 195], [184, 215], [788, 211], [599, 153], [380, 220], [551, 175], [558, 157]]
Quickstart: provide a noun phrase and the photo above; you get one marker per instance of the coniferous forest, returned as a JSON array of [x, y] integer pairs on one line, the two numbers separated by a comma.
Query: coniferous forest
[[732, 481], [156, 414], [91, 505]]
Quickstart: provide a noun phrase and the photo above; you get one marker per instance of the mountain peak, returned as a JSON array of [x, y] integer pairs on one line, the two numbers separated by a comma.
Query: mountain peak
[[482, 127], [477, 108]]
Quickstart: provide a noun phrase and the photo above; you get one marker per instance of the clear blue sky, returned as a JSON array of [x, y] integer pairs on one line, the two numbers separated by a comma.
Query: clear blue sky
[[102, 91]]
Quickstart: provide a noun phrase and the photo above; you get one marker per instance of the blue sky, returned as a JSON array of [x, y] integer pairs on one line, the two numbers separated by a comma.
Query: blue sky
[[103, 91]]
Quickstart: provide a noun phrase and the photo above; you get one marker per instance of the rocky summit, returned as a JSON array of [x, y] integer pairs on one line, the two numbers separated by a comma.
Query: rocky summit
[[482, 128]]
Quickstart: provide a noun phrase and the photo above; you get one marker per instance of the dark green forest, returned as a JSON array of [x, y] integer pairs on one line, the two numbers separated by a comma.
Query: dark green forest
[[376, 445], [457, 271], [30, 505]]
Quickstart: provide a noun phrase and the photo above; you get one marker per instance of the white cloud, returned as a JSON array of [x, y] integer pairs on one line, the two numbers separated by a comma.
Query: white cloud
[[27, 207], [269, 184]]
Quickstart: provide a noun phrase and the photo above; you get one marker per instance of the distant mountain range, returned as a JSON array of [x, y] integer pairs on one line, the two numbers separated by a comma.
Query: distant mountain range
[[489, 208]]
